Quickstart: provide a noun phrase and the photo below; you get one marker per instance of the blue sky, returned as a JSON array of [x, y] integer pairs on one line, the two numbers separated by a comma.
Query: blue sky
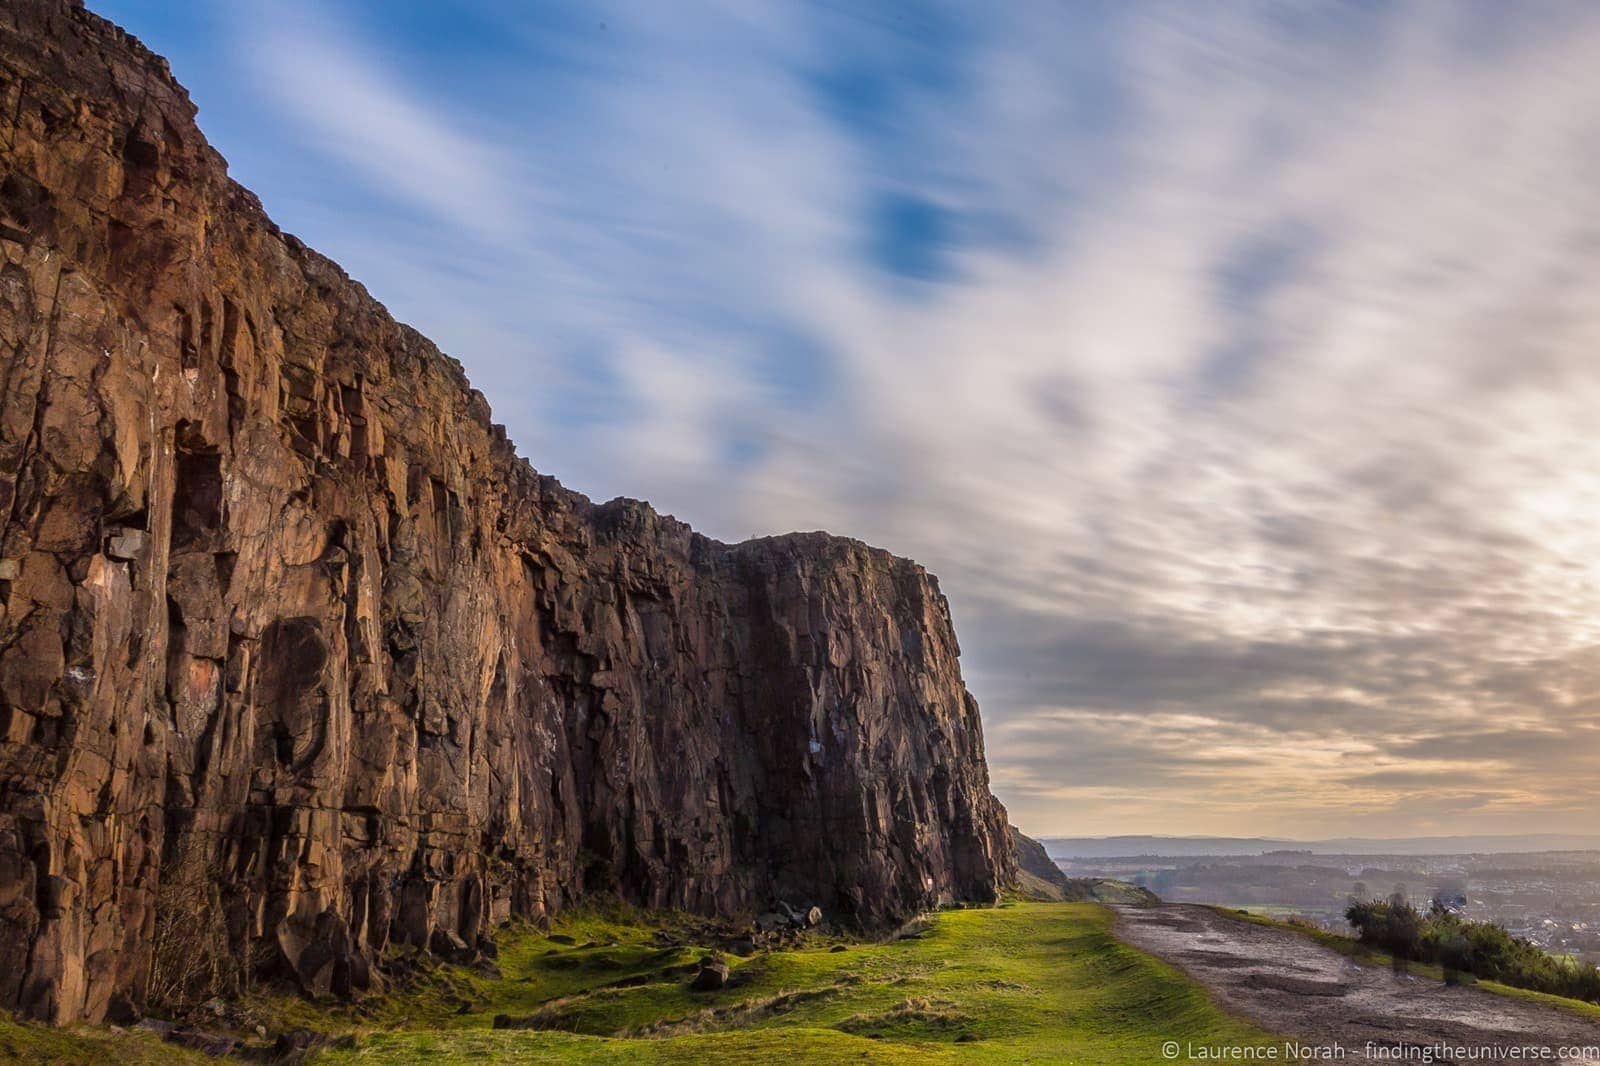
[[1231, 364]]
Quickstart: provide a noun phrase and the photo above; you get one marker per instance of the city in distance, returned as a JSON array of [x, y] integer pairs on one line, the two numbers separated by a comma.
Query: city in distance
[[1544, 889]]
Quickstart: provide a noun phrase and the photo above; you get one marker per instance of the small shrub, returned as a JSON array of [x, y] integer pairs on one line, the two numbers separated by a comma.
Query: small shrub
[[1465, 948], [190, 959]]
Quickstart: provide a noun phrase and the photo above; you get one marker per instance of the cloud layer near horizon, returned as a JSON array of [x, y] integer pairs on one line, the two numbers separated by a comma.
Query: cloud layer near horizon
[[1233, 367]]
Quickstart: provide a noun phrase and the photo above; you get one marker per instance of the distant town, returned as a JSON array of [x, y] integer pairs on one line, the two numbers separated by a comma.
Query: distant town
[[1549, 897]]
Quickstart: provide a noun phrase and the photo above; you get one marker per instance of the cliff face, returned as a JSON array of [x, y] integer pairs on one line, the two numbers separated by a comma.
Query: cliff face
[[1042, 873], [285, 619]]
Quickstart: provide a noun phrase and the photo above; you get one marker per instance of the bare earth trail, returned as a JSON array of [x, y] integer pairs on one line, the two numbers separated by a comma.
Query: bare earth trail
[[1288, 984]]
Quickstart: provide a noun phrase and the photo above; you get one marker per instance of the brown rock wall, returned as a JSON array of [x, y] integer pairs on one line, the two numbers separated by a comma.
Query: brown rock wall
[[286, 618]]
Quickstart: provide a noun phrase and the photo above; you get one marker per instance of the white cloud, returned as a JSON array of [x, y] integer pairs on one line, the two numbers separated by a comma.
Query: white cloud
[[1310, 531], [359, 111]]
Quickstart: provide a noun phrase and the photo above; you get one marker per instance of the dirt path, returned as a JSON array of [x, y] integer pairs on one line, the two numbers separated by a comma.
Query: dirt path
[[1289, 984]]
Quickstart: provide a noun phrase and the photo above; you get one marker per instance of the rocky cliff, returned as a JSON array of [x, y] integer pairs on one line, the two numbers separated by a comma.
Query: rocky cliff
[[1038, 877], [288, 623], [1037, 871]]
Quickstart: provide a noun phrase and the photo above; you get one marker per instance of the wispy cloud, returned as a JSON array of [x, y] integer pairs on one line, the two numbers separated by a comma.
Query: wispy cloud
[[1232, 367], [356, 107]]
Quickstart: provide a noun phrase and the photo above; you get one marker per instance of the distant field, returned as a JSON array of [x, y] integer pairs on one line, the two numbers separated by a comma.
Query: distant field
[[1027, 982]]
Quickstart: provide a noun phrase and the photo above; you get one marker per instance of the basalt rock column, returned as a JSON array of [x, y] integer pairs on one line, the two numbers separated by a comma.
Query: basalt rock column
[[287, 624]]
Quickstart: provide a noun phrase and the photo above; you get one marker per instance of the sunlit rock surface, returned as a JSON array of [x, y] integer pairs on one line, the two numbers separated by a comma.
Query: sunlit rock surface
[[285, 617]]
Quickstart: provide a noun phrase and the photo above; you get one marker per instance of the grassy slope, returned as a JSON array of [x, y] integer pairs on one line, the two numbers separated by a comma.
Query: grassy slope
[[1029, 982], [39, 1044], [1370, 956], [1025, 982]]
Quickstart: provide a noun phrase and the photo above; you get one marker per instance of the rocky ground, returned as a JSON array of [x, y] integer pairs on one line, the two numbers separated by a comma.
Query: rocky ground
[[1282, 981]]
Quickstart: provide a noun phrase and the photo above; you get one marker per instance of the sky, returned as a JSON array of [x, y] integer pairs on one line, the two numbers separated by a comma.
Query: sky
[[1234, 366]]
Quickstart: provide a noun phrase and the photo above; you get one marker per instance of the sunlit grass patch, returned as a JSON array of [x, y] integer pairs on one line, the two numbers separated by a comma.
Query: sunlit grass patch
[[34, 1043], [1028, 982], [1033, 982]]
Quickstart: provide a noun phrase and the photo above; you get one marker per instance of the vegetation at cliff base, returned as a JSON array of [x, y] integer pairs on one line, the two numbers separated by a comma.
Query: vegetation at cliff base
[[1023, 982], [38, 1044]]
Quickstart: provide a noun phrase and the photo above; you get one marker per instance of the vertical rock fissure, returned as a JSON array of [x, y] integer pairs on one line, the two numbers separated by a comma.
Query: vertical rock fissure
[[293, 637]]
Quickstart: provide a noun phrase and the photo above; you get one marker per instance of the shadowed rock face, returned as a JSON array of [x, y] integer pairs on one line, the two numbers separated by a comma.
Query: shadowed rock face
[[1031, 857], [285, 617]]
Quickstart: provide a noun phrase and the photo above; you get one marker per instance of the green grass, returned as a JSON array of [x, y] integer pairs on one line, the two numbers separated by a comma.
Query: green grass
[[40, 1044], [1030, 982], [1019, 983], [1370, 956]]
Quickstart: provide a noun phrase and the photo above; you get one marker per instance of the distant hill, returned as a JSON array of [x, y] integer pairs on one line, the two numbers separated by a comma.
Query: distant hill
[[1122, 846]]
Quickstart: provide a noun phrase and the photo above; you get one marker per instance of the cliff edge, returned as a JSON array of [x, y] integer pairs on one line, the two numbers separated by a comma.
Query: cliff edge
[[286, 621]]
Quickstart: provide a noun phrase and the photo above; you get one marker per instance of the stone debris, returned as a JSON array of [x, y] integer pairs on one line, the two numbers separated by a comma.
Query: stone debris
[[712, 975]]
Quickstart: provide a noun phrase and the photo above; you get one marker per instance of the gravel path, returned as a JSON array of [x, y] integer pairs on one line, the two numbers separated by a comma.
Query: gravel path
[[1289, 984]]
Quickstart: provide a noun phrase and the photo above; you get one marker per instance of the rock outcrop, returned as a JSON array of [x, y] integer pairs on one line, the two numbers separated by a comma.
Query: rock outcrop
[[289, 630], [1038, 877], [1037, 872]]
